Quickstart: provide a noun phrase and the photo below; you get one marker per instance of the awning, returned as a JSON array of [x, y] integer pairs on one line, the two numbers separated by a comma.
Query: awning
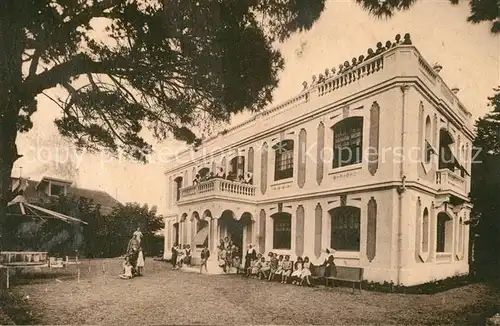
[[201, 237], [20, 207]]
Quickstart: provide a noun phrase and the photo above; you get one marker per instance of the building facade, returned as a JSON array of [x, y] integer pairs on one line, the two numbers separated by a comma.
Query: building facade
[[372, 160]]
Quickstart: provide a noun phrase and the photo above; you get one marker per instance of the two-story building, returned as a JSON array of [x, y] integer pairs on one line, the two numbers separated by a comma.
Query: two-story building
[[372, 160]]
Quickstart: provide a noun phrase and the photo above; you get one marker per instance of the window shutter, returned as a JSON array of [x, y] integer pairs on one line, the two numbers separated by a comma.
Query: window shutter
[[318, 230], [418, 233], [371, 229], [320, 153], [250, 159], [262, 231], [263, 169], [374, 138], [299, 231], [301, 169]]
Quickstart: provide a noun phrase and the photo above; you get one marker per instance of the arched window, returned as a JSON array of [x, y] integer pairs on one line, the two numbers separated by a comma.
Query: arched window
[[348, 142], [282, 231], [203, 172], [283, 165], [425, 231], [178, 186], [444, 233], [428, 135], [345, 228]]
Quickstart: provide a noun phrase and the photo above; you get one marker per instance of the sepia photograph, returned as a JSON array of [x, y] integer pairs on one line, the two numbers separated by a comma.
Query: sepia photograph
[[249, 162]]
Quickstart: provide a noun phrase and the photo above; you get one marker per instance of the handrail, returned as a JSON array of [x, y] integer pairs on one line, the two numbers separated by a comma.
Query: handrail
[[218, 186]]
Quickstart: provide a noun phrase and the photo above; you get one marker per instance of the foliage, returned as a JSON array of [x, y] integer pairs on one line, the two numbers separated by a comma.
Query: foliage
[[485, 188], [52, 235], [116, 230], [480, 10]]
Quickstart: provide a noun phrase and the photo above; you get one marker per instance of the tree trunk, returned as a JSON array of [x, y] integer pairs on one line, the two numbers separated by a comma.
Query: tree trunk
[[8, 155], [12, 97]]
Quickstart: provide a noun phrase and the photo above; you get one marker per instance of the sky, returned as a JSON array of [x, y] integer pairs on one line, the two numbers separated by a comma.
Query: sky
[[469, 55]]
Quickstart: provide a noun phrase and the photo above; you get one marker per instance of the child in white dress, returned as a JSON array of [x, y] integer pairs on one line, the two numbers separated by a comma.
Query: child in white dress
[[306, 272], [127, 270], [297, 273]]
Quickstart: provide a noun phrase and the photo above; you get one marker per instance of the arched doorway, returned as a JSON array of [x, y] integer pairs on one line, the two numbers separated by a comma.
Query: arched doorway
[[231, 228]]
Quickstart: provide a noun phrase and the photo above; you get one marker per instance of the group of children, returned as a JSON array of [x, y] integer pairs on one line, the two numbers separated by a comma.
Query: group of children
[[298, 273], [134, 259], [220, 174], [181, 255]]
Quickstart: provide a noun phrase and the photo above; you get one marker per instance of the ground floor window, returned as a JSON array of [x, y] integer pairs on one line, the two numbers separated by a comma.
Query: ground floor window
[[282, 231], [345, 228], [444, 233]]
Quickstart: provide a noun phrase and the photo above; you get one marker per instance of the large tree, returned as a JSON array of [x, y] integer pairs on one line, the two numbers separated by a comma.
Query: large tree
[[485, 189], [169, 65], [129, 64]]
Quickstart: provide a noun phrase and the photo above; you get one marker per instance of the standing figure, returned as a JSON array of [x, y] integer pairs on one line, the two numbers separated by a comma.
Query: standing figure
[[205, 254], [174, 257], [249, 256], [138, 235]]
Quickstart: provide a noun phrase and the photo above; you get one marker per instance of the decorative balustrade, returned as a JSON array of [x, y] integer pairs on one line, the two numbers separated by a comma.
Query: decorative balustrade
[[428, 71], [450, 181], [218, 187], [352, 75], [384, 63]]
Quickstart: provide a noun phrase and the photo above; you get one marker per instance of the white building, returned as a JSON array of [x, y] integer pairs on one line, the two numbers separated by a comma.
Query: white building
[[393, 199]]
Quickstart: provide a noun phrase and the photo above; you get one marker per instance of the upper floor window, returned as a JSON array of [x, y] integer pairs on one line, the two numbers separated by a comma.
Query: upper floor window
[[283, 165], [57, 190], [178, 186], [345, 228], [347, 142], [428, 134], [282, 231], [446, 158]]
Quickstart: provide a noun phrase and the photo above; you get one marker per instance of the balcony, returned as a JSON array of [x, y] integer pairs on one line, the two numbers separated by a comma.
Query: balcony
[[218, 188], [449, 181]]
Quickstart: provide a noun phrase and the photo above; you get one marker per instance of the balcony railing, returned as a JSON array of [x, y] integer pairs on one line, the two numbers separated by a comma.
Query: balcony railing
[[450, 181], [219, 187]]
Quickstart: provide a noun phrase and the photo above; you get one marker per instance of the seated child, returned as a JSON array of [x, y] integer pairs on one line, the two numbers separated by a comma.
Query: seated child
[[279, 271], [306, 272], [257, 264], [297, 273], [274, 266], [127, 270], [286, 269], [265, 268]]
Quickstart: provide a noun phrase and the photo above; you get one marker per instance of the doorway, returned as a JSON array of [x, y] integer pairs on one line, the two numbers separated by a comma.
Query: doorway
[[229, 227]]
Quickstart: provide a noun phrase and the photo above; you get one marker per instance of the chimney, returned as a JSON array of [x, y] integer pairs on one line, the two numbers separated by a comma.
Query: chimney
[[437, 67]]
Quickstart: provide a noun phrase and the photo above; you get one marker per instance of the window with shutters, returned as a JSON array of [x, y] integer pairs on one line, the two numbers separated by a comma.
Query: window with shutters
[[348, 142], [282, 231], [283, 165], [345, 228]]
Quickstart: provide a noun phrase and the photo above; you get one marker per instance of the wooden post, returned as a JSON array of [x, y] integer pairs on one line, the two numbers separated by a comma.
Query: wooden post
[[8, 281], [103, 269], [77, 268], [89, 266]]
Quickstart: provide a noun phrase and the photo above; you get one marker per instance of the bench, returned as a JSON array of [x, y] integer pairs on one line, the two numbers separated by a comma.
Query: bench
[[346, 274], [318, 272]]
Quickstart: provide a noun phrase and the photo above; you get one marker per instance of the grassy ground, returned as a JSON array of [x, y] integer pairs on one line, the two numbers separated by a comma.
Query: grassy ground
[[164, 296]]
